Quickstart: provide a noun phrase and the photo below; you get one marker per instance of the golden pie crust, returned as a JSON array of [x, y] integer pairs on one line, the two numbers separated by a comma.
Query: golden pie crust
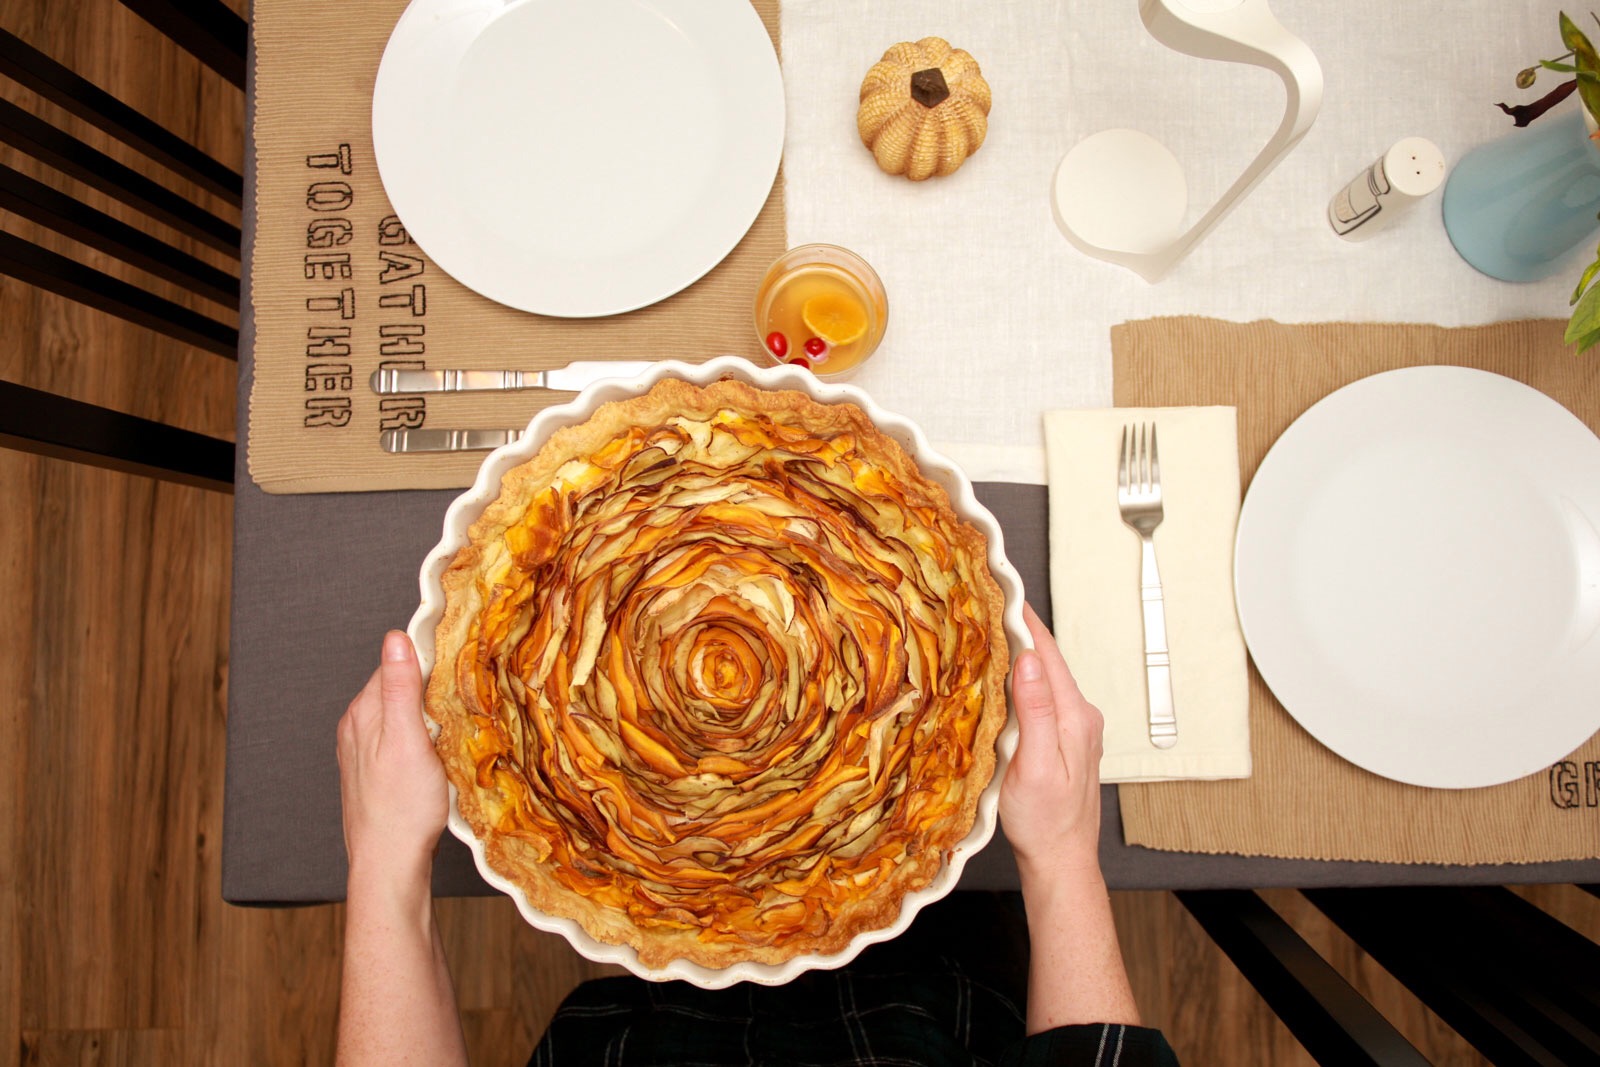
[[720, 675]]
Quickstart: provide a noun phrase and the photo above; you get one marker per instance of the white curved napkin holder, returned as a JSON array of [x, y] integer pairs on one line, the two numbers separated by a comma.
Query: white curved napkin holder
[[1119, 195]]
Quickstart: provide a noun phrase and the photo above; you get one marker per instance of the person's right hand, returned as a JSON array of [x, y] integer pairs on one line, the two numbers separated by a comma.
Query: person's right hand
[[1050, 797], [391, 782]]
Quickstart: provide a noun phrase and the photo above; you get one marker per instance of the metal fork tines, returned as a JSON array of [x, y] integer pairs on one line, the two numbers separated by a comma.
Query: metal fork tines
[[1139, 498]]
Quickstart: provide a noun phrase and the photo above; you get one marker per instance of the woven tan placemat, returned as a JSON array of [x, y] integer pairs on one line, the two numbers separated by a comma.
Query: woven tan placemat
[[1303, 801], [338, 289]]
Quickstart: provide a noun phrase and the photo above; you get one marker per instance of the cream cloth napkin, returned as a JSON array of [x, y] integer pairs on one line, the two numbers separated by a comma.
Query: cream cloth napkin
[[1094, 587]]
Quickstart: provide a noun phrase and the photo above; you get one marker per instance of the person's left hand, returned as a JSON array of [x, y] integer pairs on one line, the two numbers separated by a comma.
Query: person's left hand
[[390, 778]]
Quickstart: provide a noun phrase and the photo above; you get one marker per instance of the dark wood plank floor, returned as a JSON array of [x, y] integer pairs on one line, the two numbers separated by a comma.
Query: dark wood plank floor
[[115, 946]]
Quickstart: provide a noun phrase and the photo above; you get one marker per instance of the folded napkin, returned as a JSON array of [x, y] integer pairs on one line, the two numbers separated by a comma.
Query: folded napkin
[[1094, 588]]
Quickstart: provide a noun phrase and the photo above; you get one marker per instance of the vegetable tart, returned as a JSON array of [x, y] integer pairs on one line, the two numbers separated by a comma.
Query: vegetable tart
[[720, 675]]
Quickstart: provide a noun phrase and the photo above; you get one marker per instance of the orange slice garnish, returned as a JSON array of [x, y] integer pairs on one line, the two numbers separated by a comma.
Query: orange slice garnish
[[835, 317]]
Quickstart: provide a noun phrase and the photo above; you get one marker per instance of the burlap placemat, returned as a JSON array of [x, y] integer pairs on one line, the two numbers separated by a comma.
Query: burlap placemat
[[1303, 801], [338, 288]]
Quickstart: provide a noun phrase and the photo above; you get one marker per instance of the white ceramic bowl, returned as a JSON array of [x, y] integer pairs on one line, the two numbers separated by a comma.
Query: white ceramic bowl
[[466, 507]]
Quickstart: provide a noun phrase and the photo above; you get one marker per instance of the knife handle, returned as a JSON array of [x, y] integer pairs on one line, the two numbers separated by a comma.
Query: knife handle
[[427, 440], [392, 382], [1157, 661]]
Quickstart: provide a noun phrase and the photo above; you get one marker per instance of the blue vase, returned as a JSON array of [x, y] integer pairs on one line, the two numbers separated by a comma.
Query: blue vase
[[1515, 207]]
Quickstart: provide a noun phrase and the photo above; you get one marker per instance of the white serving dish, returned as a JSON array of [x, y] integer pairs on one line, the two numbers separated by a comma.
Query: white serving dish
[[466, 507]]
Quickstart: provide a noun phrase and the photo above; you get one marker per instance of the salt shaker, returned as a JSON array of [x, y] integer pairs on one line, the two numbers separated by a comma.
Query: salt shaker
[[1404, 174]]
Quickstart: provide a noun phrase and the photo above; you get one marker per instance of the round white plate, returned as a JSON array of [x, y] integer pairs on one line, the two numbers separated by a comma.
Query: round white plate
[[1418, 576], [578, 158], [466, 508]]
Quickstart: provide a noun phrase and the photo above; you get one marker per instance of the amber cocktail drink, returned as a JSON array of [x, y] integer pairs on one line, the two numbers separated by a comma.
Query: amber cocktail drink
[[821, 307]]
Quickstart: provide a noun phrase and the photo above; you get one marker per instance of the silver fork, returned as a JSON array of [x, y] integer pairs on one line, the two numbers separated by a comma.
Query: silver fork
[[1139, 498]]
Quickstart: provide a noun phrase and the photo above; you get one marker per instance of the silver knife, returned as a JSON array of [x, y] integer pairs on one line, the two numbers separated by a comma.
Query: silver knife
[[572, 377], [430, 440]]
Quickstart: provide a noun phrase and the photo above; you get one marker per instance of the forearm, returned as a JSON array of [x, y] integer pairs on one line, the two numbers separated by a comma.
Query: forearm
[[397, 1002], [1075, 973]]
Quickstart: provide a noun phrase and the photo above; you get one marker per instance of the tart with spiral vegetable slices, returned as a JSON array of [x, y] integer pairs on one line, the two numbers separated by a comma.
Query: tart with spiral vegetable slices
[[720, 675]]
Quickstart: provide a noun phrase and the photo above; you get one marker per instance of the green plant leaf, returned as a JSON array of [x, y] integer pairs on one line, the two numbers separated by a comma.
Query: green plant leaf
[[1587, 59], [1574, 38], [1583, 328], [1585, 343], [1560, 68], [1583, 282]]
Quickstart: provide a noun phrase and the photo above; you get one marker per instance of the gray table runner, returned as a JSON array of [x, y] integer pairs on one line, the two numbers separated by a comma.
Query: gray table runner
[[343, 568]]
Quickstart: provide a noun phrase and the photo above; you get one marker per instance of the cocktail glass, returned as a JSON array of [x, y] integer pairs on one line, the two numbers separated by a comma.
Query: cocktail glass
[[821, 307]]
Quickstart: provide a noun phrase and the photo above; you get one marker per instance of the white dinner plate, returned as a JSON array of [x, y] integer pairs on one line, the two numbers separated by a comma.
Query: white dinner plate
[[578, 158], [1418, 576]]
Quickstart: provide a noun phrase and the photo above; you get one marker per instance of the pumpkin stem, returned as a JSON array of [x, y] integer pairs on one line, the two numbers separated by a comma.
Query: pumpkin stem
[[928, 87]]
